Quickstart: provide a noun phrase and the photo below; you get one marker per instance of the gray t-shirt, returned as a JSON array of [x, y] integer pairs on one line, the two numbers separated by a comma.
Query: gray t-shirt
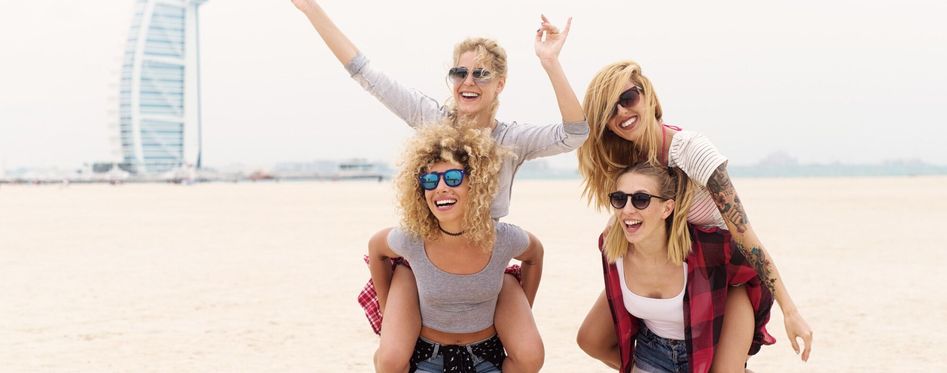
[[526, 141], [455, 303]]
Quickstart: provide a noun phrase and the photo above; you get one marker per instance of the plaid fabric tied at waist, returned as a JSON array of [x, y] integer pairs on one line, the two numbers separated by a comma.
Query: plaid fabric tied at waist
[[368, 298], [459, 359]]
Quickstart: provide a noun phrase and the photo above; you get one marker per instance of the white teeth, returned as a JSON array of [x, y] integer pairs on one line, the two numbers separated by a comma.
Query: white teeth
[[632, 222], [445, 202], [469, 94], [629, 122]]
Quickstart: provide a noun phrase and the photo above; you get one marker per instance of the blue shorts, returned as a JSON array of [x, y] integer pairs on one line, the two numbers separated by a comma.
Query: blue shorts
[[654, 354]]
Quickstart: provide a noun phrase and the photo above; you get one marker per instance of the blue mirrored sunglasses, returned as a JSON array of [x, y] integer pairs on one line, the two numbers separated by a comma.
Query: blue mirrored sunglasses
[[452, 178]]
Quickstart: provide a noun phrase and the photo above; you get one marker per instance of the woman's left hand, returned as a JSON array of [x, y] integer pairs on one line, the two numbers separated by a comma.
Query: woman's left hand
[[547, 49], [796, 327]]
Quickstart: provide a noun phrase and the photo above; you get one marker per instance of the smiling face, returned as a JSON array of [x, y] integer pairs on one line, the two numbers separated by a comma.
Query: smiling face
[[448, 204], [474, 98], [626, 122], [647, 225]]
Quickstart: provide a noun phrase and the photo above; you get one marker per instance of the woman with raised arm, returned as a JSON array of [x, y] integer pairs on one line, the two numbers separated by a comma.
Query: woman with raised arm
[[457, 251], [627, 128], [477, 78]]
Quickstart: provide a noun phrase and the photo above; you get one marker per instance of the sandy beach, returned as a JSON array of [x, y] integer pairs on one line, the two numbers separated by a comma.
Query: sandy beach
[[263, 277]]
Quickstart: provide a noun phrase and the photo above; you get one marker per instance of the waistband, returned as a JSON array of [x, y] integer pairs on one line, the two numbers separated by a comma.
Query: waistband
[[459, 358]]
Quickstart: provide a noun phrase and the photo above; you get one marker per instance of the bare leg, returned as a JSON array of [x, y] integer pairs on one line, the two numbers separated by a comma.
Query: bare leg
[[516, 328], [401, 325], [597, 334], [737, 333]]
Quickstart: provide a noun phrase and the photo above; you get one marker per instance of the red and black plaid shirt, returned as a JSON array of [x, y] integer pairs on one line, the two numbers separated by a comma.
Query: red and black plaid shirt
[[712, 267]]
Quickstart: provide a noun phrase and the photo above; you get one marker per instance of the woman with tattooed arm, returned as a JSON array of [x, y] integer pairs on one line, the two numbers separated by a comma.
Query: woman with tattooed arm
[[626, 128]]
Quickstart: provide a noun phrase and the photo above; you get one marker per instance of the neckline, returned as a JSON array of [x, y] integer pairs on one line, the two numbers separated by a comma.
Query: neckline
[[427, 259], [621, 276]]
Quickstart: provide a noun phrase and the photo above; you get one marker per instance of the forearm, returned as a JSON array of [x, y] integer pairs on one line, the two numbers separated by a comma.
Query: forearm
[[757, 255], [569, 105], [530, 274], [338, 43], [380, 268]]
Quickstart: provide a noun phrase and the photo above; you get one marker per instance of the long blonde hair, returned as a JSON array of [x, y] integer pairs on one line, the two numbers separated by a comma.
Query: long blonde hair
[[481, 159], [605, 154], [672, 183]]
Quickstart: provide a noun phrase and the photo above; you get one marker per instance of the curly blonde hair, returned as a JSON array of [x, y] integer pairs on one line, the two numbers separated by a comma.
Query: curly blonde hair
[[672, 183], [604, 155], [481, 159]]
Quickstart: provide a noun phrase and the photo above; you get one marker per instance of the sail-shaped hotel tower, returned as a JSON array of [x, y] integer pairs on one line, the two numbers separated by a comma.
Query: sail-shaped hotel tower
[[159, 99]]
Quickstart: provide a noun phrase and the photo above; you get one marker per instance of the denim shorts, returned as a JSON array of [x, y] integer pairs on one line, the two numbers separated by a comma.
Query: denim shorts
[[435, 363], [654, 354]]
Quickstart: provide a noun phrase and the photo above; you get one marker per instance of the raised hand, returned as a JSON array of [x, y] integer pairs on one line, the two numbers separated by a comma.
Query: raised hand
[[549, 39], [305, 5]]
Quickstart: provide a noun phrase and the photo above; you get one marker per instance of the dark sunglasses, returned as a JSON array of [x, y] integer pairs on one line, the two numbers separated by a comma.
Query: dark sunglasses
[[458, 75], [628, 99], [640, 200], [452, 178]]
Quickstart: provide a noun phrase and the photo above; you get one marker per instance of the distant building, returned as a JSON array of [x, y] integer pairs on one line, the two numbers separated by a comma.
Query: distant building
[[159, 100]]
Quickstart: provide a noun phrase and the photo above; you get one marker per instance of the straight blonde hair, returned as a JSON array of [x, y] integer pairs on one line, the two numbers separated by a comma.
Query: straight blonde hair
[[672, 183], [604, 155]]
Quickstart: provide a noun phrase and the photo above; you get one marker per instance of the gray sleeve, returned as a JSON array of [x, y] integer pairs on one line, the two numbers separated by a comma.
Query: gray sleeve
[[412, 106], [513, 237], [398, 242], [542, 141]]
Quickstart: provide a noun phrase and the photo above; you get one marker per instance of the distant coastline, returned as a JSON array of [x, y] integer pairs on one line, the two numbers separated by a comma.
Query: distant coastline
[[777, 165]]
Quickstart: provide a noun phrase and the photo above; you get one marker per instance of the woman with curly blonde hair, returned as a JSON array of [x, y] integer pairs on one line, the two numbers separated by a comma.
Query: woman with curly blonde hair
[[457, 251], [627, 128], [477, 78]]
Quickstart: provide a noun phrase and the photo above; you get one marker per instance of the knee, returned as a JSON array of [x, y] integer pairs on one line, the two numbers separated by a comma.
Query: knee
[[589, 343], [388, 360], [528, 360]]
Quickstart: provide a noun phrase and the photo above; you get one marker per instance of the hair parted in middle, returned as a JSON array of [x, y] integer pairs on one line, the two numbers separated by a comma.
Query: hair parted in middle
[[481, 159], [493, 58], [672, 183], [604, 154]]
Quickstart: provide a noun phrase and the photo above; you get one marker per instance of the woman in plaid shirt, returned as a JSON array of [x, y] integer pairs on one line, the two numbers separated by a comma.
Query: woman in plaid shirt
[[626, 128], [667, 281]]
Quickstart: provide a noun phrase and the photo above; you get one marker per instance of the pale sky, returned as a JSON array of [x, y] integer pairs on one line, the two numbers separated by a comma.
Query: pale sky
[[825, 81]]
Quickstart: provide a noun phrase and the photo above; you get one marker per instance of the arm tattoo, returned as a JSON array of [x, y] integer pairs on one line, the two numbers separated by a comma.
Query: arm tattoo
[[726, 199], [757, 259]]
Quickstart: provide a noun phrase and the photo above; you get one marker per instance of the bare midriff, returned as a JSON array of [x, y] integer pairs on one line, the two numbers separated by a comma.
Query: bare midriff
[[445, 338]]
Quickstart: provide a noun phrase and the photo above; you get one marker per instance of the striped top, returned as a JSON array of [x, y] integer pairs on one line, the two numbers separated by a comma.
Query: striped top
[[698, 158]]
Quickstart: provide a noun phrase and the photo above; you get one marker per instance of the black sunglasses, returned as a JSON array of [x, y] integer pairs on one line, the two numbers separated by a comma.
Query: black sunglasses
[[458, 75], [452, 177], [628, 99], [640, 200]]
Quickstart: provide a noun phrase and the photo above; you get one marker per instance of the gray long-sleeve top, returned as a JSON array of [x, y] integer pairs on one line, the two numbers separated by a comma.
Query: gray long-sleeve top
[[526, 141]]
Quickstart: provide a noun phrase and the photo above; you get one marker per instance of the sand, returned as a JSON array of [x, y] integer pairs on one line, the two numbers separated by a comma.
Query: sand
[[263, 277]]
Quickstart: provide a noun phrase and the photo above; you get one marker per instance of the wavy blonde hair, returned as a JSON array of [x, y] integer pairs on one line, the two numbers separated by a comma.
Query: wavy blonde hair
[[672, 183], [604, 155], [481, 159], [493, 57]]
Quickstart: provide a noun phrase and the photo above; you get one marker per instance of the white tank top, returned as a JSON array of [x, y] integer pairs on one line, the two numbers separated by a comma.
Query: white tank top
[[664, 317]]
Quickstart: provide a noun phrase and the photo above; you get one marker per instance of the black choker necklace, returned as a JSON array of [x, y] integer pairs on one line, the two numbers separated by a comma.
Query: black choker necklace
[[449, 233]]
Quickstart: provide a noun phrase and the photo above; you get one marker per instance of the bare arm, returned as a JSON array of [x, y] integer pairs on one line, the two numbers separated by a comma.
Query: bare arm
[[532, 267], [547, 49], [378, 254], [745, 239], [340, 45]]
